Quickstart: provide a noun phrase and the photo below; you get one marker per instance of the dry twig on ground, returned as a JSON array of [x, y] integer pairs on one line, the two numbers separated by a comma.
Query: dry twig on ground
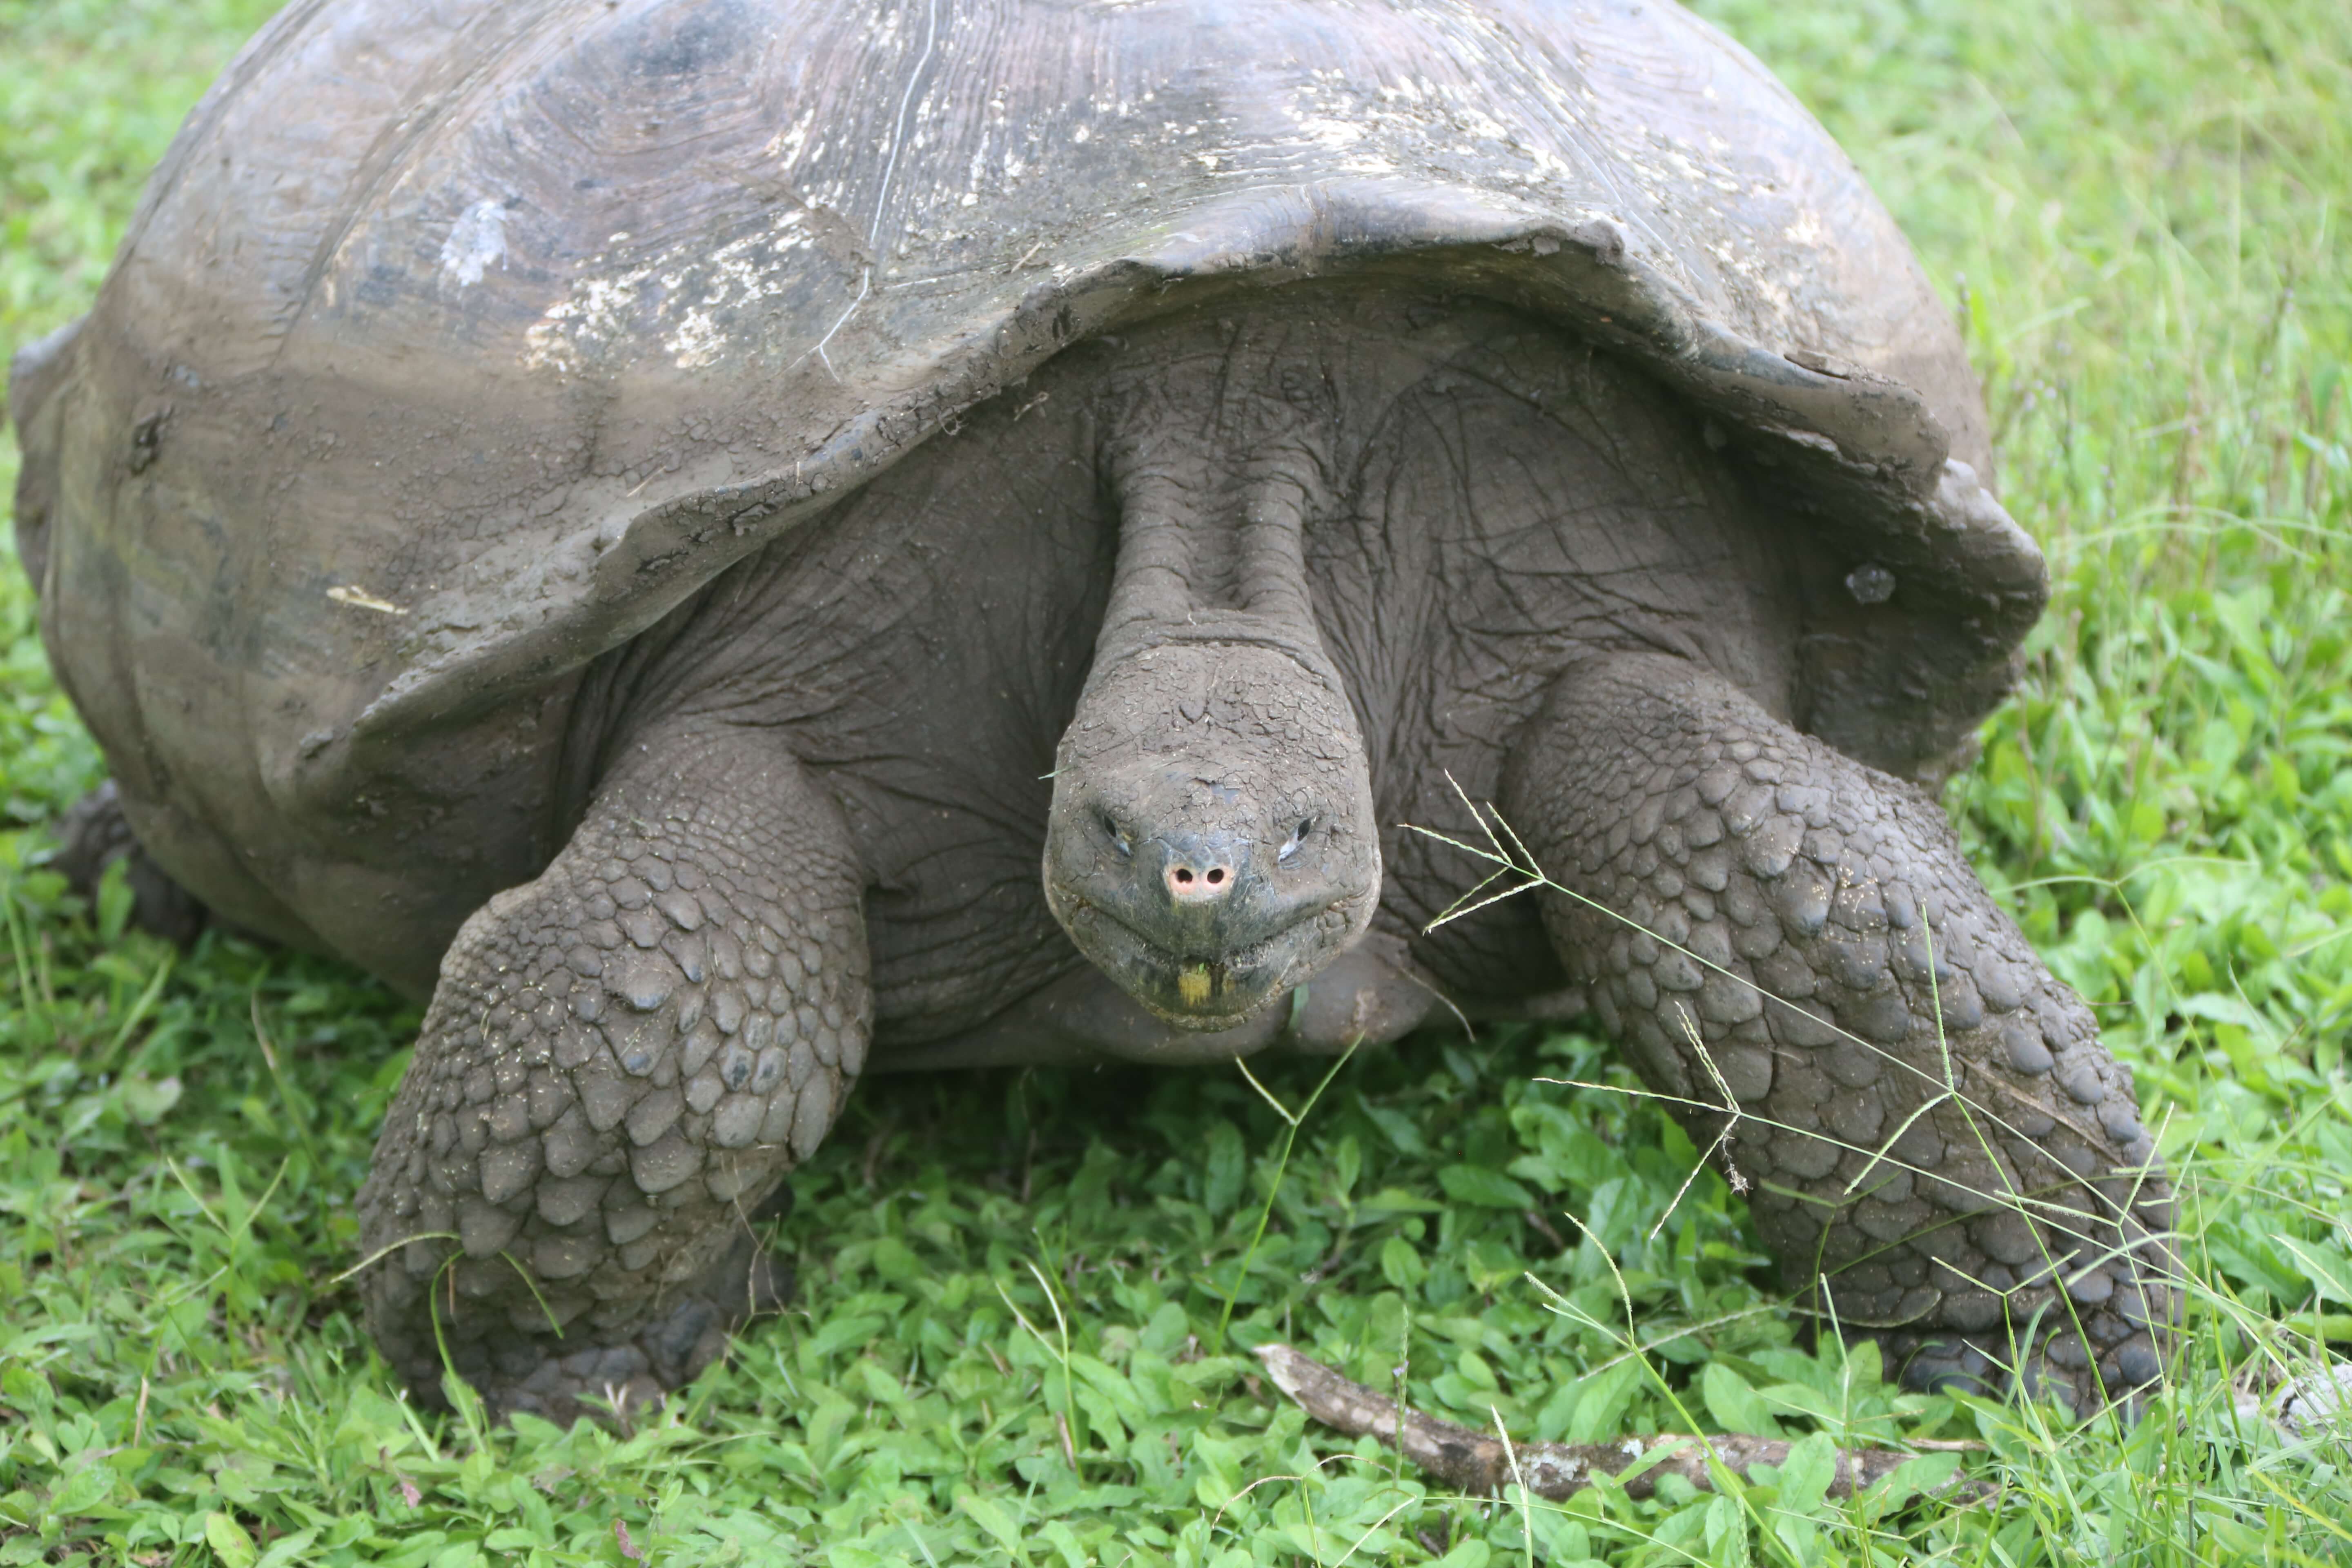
[[1478, 1463]]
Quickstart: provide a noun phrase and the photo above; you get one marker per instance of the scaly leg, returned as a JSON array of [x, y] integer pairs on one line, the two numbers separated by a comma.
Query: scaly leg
[[1938, 1141], [622, 1060]]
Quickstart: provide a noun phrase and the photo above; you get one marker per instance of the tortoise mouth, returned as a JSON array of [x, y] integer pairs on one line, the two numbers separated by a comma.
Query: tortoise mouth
[[1206, 991]]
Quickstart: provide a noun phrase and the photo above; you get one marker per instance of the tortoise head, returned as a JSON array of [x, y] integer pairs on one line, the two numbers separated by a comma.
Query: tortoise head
[[1211, 841]]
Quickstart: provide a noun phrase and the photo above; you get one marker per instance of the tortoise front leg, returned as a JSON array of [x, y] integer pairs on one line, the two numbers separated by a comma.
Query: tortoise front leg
[[622, 1060], [1933, 1131]]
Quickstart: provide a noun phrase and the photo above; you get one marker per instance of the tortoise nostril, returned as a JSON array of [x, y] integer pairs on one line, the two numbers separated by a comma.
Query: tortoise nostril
[[1192, 883]]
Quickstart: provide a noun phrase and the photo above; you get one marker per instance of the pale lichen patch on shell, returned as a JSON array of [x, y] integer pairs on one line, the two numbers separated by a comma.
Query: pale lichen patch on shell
[[476, 242]]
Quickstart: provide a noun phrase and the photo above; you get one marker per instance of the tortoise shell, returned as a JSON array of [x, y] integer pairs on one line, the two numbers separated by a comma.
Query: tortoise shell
[[457, 341]]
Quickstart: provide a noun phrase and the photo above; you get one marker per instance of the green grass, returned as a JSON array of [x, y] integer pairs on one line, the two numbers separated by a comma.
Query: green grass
[[2140, 207]]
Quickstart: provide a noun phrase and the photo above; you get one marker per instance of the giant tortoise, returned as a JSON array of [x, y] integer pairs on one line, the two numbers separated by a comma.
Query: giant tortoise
[[654, 521]]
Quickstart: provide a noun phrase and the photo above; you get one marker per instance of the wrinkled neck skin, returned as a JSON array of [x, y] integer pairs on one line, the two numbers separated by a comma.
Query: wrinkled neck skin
[[1212, 842]]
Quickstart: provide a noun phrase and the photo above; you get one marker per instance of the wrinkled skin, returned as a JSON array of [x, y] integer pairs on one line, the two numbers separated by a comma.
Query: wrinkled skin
[[1192, 622]]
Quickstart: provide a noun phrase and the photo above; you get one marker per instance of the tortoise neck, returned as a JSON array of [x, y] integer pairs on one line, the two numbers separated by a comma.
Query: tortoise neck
[[1212, 535]]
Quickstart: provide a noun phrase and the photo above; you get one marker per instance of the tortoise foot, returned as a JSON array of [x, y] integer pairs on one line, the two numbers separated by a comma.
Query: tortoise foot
[[93, 834], [622, 1382], [2072, 1368]]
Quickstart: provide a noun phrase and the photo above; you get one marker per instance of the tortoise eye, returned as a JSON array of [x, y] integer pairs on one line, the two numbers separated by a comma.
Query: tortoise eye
[[1118, 835], [1290, 851]]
